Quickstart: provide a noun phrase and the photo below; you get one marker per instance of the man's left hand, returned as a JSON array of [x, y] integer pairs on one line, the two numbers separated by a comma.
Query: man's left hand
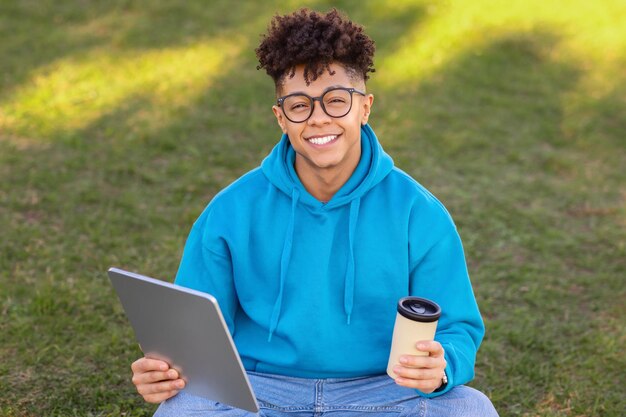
[[424, 373]]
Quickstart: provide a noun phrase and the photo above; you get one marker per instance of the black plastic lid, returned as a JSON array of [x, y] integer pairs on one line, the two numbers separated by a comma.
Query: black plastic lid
[[419, 309]]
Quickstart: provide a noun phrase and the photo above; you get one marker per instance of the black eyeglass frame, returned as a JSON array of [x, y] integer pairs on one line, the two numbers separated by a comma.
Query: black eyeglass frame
[[312, 100]]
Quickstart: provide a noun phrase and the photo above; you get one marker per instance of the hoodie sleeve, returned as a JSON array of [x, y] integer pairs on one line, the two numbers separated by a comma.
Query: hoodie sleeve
[[439, 273], [206, 266]]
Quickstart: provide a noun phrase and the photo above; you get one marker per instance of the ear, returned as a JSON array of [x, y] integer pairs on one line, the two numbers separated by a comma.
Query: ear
[[280, 118], [366, 108]]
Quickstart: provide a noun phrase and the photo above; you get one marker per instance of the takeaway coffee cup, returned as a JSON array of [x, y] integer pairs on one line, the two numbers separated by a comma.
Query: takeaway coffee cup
[[416, 320]]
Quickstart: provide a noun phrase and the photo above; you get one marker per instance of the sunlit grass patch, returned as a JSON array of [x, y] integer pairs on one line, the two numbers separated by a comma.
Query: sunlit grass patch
[[73, 92], [589, 32]]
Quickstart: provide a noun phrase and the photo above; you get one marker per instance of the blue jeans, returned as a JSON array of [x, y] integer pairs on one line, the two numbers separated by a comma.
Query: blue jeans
[[337, 397]]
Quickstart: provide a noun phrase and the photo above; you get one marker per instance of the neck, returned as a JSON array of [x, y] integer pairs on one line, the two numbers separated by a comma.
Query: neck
[[323, 183]]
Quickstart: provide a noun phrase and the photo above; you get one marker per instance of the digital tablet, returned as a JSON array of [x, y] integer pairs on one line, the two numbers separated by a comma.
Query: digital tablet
[[186, 329]]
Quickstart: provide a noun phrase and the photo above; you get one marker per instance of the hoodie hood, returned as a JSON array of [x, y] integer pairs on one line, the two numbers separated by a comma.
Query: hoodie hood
[[374, 165]]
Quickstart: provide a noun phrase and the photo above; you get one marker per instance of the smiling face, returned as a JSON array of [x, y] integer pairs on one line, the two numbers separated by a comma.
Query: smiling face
[[326, 147]]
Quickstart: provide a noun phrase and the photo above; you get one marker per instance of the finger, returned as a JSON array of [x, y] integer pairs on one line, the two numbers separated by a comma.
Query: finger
[[160, 387], [425, 385], [147, 364], [159, 398], [413, 361], [418, 374], [433, 347], [154, 376]]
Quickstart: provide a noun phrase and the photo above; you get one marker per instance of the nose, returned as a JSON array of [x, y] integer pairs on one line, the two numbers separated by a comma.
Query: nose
[[318, 116]]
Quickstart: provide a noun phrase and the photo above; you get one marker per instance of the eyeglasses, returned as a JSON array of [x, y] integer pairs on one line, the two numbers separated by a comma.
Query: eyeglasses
[[336, 102]]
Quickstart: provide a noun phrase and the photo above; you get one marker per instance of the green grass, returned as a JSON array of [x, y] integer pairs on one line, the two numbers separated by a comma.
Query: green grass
[[119, 120]]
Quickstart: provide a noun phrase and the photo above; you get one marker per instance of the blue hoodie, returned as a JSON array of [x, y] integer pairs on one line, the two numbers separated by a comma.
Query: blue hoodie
[[310, 289]]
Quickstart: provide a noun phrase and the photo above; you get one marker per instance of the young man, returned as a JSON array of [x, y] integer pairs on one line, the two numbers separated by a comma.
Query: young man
[[309, 254]]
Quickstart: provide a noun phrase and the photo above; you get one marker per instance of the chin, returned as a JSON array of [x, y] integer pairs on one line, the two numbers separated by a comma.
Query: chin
[[325, 164]]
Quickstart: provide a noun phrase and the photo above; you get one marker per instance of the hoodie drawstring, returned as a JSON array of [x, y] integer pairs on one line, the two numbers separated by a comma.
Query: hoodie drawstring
[[286, 255], [284, 263], [348, 301]]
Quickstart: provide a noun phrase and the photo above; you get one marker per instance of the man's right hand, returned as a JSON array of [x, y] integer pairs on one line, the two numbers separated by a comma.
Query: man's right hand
[[155, 380]]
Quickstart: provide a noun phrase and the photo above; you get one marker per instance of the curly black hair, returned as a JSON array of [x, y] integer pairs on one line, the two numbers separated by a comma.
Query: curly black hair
[[314, 40]]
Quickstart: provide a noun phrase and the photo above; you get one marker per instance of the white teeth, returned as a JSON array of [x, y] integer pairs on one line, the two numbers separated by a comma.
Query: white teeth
[[323, 140]]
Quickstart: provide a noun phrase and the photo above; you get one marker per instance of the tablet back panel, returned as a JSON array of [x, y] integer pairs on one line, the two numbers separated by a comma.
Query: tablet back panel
[[186, 329]]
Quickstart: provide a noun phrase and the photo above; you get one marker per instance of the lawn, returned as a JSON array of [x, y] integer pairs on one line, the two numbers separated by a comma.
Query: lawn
[[120, 119]]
